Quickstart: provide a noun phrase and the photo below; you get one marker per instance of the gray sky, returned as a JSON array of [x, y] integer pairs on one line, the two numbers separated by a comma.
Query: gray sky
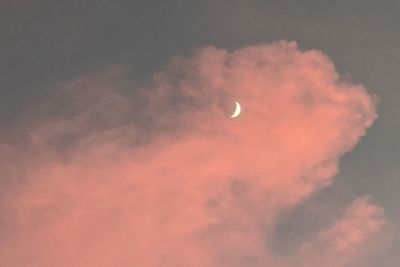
[[43, 42]]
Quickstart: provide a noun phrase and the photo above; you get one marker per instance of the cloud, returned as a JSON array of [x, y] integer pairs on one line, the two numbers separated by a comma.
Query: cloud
[[108, 172], [338, 244]]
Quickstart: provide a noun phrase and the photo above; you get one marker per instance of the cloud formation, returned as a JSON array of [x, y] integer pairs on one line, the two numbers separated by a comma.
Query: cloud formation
[[108, 172]]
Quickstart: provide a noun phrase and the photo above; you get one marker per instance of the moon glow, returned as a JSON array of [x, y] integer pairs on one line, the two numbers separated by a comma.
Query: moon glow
[[237, 111]]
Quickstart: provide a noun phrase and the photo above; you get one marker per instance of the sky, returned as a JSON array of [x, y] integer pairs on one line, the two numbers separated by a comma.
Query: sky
[[117, 148]]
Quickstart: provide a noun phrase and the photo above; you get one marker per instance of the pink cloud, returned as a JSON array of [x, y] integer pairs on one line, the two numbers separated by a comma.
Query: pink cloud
[[108, 173], [339, 244]]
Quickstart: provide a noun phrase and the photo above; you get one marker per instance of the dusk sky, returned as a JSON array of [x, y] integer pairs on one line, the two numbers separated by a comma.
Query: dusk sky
[[117, 146]]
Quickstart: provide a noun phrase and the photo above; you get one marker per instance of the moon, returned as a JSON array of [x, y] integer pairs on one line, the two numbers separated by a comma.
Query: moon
[[236, 113]]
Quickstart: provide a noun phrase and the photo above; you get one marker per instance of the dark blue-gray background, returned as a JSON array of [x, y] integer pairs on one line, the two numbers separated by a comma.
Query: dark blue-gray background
[[42, 42]]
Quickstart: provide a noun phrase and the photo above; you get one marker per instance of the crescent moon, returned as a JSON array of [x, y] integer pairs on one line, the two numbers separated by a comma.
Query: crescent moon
[[237, 110]]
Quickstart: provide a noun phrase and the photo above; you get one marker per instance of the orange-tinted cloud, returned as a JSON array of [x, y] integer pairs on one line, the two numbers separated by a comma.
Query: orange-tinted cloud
[[110, 173]]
